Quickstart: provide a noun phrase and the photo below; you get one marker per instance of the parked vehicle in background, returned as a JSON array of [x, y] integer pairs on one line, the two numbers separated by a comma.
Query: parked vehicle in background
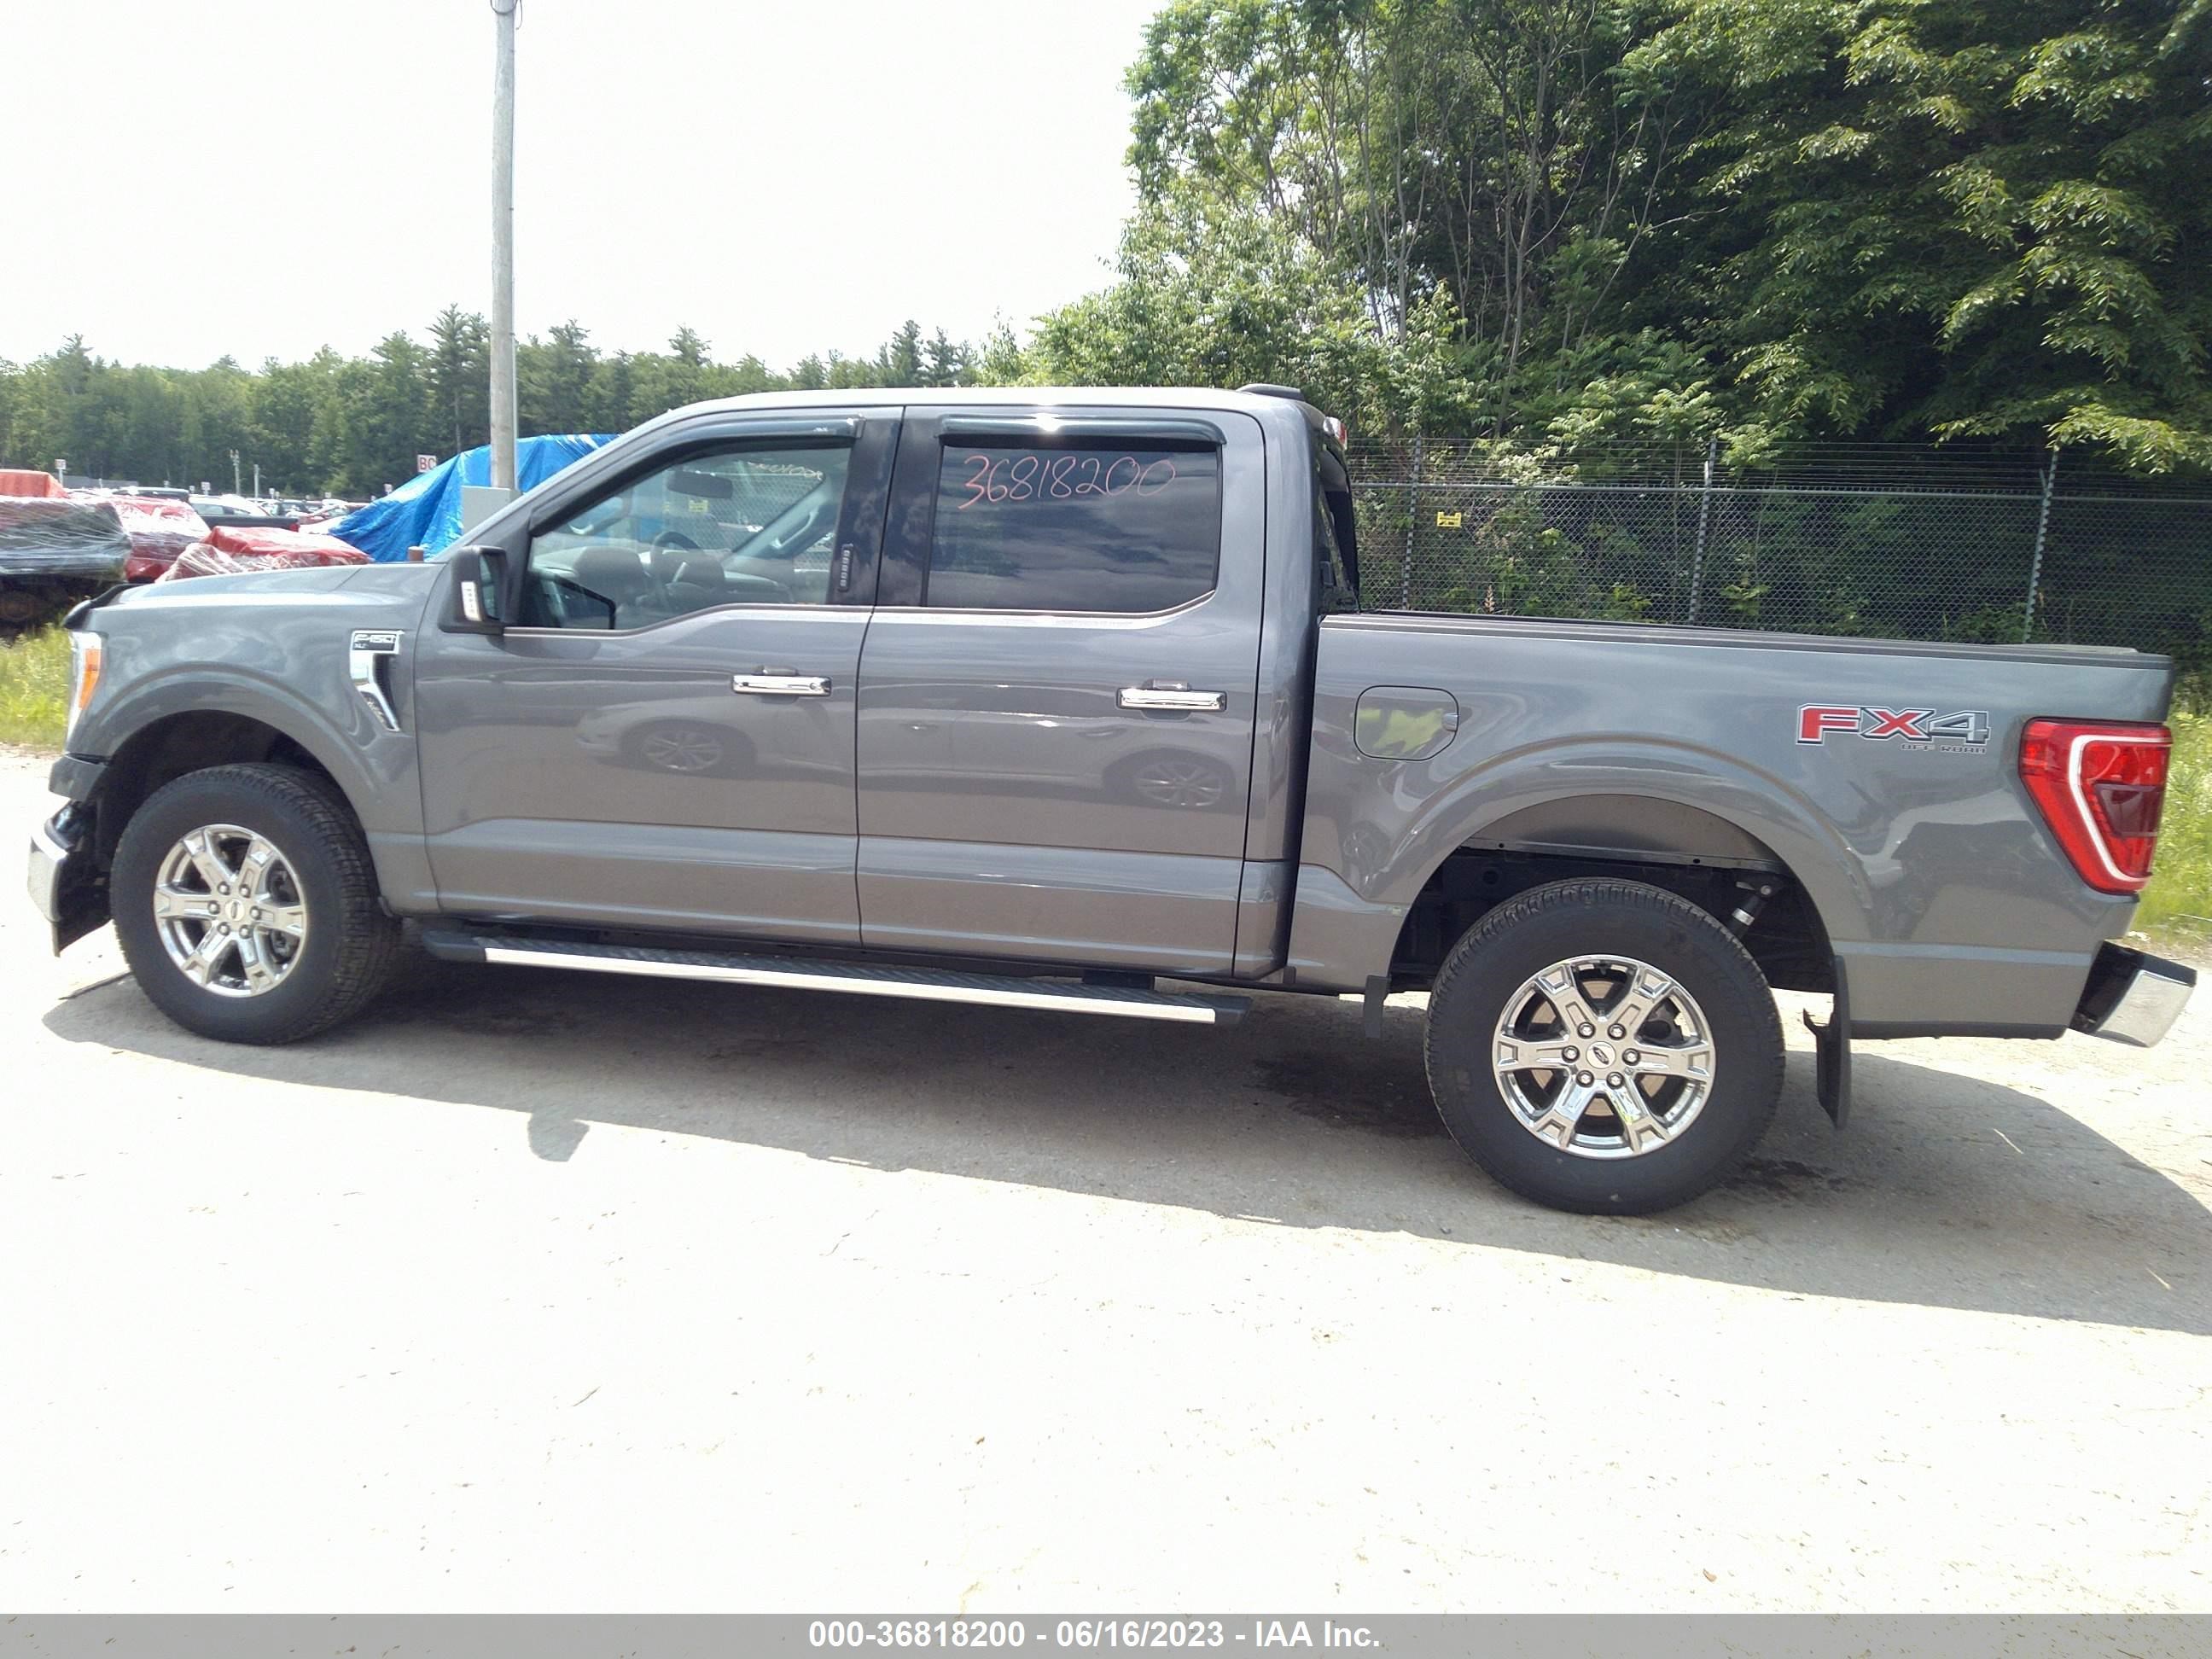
[[55, 550], [232, 549], [1036, 698], [236, 510], [158, 528]]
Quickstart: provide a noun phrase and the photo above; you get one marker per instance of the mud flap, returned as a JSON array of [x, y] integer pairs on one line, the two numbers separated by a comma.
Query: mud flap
[[1832, 1053], [1371, 1004]]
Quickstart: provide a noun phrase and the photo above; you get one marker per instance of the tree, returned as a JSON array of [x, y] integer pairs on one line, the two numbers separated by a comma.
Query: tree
[[459, 373], [387, 413], [612, 394], [1951, 218], [553, 379], [944, 363], [901, 358], [1780, 219]]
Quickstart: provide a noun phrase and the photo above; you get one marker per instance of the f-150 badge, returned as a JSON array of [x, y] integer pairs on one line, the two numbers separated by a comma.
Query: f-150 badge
[[1967, 729]]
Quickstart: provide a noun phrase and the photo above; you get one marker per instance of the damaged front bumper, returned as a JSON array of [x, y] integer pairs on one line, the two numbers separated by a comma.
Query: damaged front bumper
[[70, 894]]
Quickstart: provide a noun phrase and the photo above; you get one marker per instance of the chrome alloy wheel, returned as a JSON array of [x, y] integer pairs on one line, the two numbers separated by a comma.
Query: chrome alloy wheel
[[1603, 1057], [1176, 781], [230, 911], [681, 749]]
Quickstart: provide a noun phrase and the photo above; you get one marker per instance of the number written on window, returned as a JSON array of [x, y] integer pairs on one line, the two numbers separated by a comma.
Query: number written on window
[[1051, 527], [1043, 476]]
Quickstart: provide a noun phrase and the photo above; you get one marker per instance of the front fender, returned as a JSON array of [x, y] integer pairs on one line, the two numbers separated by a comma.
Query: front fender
[[346, 742], [275, 649]]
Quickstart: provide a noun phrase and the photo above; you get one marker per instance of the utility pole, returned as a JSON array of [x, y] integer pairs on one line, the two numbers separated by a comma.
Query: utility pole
[[257, 480], [502, 250], [237, 486]]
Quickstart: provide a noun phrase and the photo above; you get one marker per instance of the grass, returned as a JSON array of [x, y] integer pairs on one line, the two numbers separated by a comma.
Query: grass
[[34, 679], [35, 690], [2179, 900]]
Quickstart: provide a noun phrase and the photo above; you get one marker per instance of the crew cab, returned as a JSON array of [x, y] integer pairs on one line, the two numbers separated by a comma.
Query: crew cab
[[1063, 699]]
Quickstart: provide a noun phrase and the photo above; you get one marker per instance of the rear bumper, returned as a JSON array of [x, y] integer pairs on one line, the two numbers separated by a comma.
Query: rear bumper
[[2133, 997]]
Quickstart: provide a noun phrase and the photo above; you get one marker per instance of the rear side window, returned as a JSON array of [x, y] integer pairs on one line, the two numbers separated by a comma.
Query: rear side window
[[1025, 526]]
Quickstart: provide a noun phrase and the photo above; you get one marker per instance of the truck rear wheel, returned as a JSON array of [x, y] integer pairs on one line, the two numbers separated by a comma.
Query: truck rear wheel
[[1604, 1046], [247, 905]]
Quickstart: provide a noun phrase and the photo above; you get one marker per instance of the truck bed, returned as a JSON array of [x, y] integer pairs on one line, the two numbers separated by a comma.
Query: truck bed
[[1929, 869]]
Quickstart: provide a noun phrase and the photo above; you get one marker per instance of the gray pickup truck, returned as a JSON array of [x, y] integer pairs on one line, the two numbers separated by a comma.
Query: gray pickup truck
[[1039, 698]]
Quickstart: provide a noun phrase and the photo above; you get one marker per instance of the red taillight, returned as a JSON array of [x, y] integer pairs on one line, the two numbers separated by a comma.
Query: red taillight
[[2101, 786]]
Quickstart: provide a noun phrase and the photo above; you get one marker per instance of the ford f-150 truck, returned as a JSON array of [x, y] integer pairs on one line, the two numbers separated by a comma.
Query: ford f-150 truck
[[1040, 698]]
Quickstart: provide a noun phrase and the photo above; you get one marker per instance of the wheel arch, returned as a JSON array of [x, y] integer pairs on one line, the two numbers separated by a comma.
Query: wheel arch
[[173, 745], [1683, 846]]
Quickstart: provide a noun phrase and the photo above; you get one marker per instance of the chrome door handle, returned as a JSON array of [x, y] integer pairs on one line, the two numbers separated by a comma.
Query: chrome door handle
[[1152, 693], [765, 683]]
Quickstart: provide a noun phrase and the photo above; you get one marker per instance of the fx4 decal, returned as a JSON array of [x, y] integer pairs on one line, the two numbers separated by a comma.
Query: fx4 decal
[[1969, 728]]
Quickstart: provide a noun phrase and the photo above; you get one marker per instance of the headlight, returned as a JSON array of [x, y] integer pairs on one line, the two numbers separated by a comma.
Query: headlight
[[85, 652]]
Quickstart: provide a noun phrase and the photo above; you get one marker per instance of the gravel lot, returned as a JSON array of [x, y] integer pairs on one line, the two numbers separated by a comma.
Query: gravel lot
[[537, 1291]]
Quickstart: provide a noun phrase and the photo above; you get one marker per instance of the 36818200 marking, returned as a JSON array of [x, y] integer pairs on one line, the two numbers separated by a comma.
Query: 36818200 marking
[[1001, 1634]]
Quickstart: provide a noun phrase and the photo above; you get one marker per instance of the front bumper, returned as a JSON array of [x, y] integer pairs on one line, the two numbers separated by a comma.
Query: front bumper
[[2133, 997], [48, 858], [70, 894]]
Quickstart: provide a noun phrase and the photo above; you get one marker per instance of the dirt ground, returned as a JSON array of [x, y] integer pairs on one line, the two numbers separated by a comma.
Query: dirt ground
[[540, 1291]]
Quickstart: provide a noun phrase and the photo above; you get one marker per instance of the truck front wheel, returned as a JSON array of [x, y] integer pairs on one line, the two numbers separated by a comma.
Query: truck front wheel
[[247, 905], [1604, 1046]]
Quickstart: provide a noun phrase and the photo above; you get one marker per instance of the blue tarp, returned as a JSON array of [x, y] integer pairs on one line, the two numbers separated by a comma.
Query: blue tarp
[[428, 509]]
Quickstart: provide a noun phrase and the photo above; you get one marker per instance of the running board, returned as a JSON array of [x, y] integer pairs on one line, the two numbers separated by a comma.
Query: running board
[[805, 974]]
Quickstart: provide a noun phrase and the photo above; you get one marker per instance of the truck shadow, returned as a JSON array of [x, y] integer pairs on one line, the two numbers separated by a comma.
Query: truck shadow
[[1947, 1191]]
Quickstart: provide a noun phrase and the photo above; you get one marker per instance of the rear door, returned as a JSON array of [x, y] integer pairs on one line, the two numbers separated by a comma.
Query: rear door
[[1057, 689]]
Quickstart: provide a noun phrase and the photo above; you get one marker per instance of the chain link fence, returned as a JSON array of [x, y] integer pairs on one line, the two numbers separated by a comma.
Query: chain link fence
[[1858, 539]]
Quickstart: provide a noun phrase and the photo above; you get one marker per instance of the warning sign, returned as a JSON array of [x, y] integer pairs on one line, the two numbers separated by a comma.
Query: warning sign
[[1450, 521]]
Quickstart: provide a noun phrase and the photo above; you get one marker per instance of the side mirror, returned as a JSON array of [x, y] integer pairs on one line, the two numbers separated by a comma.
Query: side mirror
[[479, 583]]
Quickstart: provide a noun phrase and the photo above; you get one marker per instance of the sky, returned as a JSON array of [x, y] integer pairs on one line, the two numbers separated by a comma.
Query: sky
[[263, 178]]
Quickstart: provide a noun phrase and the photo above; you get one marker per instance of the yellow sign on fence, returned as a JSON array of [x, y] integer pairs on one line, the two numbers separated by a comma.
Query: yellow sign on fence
[[1450, 521]]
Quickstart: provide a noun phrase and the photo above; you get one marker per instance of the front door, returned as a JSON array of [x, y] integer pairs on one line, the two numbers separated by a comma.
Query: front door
[[663, 738], [1058, 688]]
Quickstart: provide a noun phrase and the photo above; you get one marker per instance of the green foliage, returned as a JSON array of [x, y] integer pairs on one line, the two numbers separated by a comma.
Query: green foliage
[[1911, 217], [1564, 224], [2179, 898], [34, 678]]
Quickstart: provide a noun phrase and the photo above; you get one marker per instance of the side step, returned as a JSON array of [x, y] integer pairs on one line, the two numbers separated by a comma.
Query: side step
[[801, 973]]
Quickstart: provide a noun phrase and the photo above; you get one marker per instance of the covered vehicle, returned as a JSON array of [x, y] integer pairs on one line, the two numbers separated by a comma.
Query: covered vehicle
[[159, 527], [237, 551], [55, 550], [426, 510]]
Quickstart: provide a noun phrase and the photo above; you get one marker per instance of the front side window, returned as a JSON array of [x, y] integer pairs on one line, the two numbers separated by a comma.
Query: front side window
[[744, 525], [1030, 526]]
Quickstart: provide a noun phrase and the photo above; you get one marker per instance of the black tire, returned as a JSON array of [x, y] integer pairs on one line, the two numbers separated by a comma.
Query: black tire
[[1550, 925], [351, 945]]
